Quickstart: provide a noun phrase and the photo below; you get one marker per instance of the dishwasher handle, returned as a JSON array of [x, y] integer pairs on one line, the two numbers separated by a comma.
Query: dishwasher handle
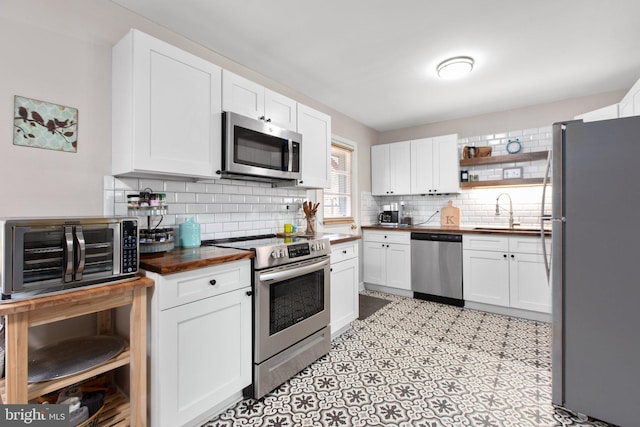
[[437, 237]]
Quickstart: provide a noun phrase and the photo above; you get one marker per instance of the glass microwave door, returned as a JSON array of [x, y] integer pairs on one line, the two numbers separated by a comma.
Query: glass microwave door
[[260, 150]]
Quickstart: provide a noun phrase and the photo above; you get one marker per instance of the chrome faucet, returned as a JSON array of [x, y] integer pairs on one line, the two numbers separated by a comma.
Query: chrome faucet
[[511, 222]]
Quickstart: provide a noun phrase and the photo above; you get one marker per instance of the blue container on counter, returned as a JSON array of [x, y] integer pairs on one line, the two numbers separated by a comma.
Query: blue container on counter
[[190, 233]]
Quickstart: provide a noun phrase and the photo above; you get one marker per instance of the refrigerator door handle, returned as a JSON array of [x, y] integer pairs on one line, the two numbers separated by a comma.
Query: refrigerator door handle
[[545, 217]]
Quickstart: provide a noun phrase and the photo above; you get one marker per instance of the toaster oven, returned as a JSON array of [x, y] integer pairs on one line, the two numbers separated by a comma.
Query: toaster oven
[[51, 254]]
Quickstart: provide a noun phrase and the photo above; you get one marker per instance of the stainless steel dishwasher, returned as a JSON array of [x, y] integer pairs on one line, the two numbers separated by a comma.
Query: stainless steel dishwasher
[[436, 267]]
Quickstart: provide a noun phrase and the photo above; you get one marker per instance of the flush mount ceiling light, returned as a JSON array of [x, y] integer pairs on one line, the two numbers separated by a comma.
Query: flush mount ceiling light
[[455, 68]]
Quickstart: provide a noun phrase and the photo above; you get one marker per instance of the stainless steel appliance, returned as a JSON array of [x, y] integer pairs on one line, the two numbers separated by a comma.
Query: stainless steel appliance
[[50, 254], [594, 272], [259, 150], [436, 267], [291, 306]]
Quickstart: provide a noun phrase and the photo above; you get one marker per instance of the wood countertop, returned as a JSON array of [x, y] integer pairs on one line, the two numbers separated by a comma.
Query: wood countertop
[[517, 231], [337, 238], [185, 259], [79, 295]]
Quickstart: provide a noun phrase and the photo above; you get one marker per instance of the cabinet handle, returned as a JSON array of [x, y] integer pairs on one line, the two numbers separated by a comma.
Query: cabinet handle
[[383, 245], [261, 118], [212, 282], [344, 252], [387, 245], [331, 269], [513, 256], [268, 120], [505, 255], [249, 293]]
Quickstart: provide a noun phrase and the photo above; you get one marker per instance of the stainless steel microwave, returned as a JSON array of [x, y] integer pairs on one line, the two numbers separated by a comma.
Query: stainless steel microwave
[[51, 254], [259, 149]]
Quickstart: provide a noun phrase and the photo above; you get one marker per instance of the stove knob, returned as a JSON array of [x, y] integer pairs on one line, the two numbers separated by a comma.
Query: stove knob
[[275, 254], [282, 253]]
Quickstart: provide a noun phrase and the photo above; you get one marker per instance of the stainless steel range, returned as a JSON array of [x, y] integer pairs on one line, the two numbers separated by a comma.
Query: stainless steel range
[[291, 305]]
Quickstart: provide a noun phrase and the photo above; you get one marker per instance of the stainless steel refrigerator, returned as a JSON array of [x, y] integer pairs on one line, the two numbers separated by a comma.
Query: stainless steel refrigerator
[[595, 269]]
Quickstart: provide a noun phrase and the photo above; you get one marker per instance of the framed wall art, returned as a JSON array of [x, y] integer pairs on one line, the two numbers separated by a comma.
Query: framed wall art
[[42, 124]]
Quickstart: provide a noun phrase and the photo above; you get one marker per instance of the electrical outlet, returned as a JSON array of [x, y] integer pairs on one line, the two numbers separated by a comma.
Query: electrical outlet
[[511, 173]]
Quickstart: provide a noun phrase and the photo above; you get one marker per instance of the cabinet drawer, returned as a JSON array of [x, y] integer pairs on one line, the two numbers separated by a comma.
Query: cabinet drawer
[[528, 245], [485, 242], [387, 237], [182, 288], [343, 252]]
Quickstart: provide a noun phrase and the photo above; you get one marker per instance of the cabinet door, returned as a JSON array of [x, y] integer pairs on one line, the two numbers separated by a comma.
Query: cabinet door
[[400, 167], [344, 293], [446, 165], [166, 110], [421, 166], [204, 356], [315, 128], [486, 277], [528, 283], [242, 96], [380, 170], [280, 110], [398, 262], [374, 265]]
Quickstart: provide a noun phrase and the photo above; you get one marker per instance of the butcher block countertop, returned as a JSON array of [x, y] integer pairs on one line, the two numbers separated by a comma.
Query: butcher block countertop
[[505, 231], [337, 238], [185, 259]]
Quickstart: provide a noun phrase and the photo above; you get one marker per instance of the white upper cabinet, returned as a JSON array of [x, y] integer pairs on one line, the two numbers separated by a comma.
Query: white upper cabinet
[[604, 113], [243, 96], [630, 104], [315, 128], [166, 110], [435, 167], [390, 173]]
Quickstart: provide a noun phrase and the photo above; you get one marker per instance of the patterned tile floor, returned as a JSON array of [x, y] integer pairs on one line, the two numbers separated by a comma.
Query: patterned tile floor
[[417, 363]]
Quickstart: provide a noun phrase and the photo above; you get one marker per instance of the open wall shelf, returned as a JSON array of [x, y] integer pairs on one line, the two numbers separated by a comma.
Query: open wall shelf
[[508, 158]]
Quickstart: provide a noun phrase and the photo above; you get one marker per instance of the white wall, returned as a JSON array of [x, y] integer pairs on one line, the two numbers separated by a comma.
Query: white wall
[[534, 116], [60, 52]]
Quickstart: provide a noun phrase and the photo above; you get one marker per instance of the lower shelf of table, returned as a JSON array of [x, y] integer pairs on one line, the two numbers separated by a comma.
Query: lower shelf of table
[[116, 411], [35, 390]]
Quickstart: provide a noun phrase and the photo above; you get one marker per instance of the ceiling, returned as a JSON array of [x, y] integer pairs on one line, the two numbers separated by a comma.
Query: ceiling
[[374, 60]]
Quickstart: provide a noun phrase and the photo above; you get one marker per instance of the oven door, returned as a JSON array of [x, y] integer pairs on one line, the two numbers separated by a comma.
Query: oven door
[[292, 302]]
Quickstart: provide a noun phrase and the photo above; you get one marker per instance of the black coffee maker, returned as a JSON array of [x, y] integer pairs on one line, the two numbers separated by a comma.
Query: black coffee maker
[[389, 214]]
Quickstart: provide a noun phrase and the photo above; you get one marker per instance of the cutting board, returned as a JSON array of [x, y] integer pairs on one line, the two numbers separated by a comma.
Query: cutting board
[[450, 216]]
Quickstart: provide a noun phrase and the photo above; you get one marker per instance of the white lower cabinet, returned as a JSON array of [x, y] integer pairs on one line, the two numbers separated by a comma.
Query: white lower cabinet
[[199, 343], [387, 259], [506, 272], [344, 286], [486, 277]]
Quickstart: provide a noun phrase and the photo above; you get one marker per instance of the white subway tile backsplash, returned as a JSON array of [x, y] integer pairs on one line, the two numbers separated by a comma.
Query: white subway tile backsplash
[[175, 186], [185, 198]]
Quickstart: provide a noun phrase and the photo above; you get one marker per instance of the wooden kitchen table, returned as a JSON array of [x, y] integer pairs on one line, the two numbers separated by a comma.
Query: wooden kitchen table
[[20, 315]]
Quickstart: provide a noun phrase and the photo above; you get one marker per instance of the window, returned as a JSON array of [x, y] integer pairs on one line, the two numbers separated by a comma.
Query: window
[[337, 199]]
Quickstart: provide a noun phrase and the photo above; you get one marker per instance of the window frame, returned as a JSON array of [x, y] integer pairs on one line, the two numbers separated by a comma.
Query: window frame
[[350, 146]]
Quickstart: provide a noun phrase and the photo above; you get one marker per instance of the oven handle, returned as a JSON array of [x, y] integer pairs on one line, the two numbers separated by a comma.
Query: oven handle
[[294, 272]]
